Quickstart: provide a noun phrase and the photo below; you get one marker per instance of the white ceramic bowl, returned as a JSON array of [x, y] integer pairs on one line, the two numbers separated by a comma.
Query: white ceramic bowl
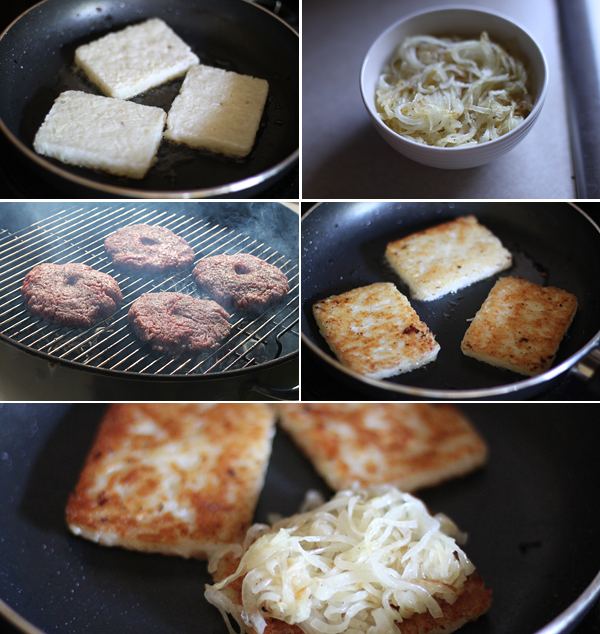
[[464, 22]]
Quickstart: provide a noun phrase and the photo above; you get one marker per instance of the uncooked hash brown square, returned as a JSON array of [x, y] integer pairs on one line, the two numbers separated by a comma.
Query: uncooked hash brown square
[[217, 110], [520, 326], [112, 135], [130, 61]]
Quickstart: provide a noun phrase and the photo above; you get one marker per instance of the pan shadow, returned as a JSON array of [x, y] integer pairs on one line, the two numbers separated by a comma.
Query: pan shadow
[[365, 166]]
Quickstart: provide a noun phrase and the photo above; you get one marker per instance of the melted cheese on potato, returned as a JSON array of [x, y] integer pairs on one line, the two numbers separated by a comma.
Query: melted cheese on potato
[[362, 562]]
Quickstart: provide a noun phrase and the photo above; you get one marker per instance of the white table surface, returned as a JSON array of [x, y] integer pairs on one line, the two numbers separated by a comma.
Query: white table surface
[[343, 157]]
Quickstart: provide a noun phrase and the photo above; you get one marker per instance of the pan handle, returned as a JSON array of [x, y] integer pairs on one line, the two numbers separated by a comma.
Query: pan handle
[[278, 393], [586, 369]]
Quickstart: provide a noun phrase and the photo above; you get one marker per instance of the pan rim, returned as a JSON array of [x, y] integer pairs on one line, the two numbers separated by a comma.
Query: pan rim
[[159, 378], [564, 622], [571, 616], [460, 394], [215, 191], [18, 621]]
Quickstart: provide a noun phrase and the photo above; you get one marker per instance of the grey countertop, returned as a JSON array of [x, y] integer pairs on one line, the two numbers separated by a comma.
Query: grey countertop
[[344, 157]]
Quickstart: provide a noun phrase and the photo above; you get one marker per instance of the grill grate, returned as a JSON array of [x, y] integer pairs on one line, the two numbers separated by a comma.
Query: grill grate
[[77, 235]]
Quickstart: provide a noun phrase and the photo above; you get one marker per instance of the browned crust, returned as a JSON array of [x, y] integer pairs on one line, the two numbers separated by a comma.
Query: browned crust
[[443, 445], [520, 326], [477, 254], [474, 601], [378, 342], [224, 507]]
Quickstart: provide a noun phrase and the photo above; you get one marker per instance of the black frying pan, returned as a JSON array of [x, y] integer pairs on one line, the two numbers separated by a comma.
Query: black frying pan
[[553, 244], [36, 65], [530, 514]]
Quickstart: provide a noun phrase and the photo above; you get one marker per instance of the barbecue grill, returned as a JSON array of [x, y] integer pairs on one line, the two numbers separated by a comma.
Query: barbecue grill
[[75, 232]]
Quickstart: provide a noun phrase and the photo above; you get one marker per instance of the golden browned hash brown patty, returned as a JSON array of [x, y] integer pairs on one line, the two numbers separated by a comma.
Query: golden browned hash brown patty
[[173, 478], [520, 326], [409, 445], [73, 295], [242, 281], [474, 601], [375, 331], [148, 248], [174, 323], [447, 257]]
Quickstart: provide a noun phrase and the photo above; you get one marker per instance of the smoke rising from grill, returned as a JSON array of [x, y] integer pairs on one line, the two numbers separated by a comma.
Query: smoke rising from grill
[[266, 221]]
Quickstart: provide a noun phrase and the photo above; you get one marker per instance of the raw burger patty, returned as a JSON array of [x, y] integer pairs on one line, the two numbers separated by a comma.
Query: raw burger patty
[[242, 281], [174, 323], [148, 248], [70, 294]]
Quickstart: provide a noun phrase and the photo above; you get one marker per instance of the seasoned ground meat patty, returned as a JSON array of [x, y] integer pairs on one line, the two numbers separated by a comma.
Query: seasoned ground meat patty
[[242, 281], [173, 323], [70, 294], [148, 248]]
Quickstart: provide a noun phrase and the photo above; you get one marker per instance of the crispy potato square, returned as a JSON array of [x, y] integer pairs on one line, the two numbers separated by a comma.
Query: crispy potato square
[[520, 326], [447, 257], [375, 331], [177, 479], [408, 445]]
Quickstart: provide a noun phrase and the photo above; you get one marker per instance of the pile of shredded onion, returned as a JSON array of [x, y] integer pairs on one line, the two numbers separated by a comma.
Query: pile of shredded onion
[[450, 92], [361, 562]]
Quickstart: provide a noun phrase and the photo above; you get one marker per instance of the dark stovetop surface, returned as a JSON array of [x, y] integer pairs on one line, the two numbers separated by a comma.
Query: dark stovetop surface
[[18, 180]]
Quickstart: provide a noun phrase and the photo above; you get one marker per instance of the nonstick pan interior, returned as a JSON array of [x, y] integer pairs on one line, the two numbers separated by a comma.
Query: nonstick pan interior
[[529, 513], [553, 244], [36, 65]]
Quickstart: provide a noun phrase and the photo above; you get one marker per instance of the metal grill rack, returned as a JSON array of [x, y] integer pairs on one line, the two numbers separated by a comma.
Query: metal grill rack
[[77, 234]]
